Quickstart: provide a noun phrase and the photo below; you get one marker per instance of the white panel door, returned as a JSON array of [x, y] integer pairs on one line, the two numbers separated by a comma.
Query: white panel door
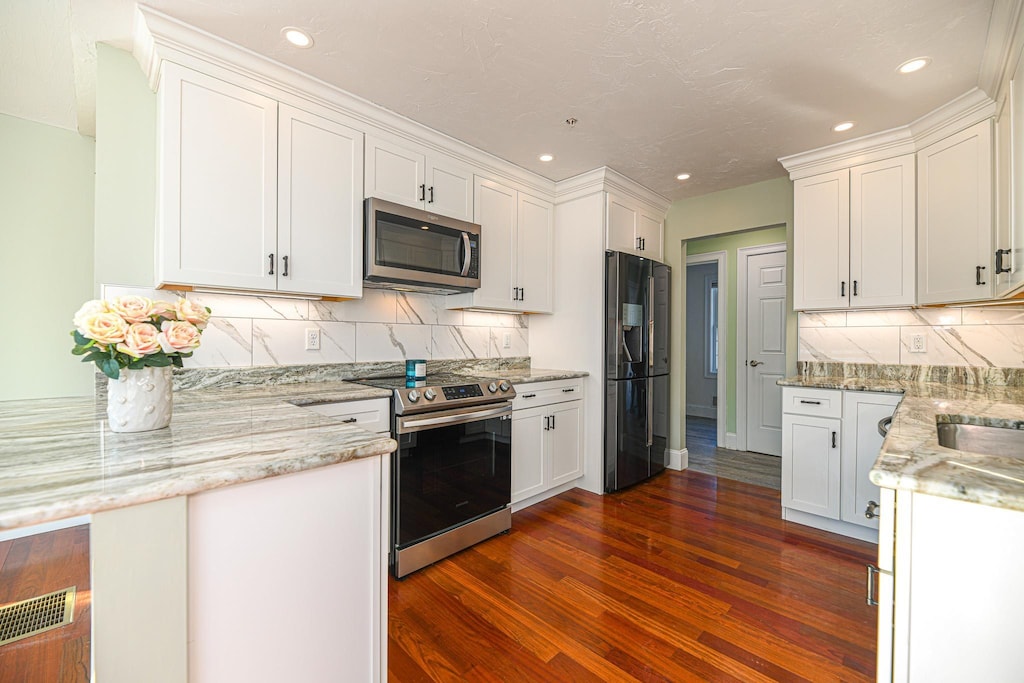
[[883, 226], [495, 211], [821, 241], [528, 442], [861, 444], [449, 189], [811, 464], [565, 451], [955, 257], [395, 173], [320, 189], [650, 230], [535, 246], [218, 182], [622, 226], [765, 350]]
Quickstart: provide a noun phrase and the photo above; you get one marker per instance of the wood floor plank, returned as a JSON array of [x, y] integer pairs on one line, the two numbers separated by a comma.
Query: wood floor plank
[[684, 577]]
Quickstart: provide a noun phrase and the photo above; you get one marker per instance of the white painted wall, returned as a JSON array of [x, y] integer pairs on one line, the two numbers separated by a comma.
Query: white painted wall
[[700, 388]]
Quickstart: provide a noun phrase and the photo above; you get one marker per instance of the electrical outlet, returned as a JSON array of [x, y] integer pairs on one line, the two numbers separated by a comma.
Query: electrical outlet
[[917, 343], [312, 338], [506, 340]]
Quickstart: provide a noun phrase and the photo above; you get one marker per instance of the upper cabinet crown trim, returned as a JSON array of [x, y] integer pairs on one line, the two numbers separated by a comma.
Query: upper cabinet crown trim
[[605, 179], [1005, 38], [159, 37], [970, 108]]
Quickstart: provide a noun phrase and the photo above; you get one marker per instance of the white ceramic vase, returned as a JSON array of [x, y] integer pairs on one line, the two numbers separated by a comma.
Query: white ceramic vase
[[139, 400]]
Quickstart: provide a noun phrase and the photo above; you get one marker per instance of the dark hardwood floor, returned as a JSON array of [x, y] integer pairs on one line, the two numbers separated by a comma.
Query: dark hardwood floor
[[37, 565], [682, 578], [705, 456]]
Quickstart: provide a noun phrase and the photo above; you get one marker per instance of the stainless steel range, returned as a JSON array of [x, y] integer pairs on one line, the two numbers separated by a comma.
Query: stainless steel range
[[451, 477]]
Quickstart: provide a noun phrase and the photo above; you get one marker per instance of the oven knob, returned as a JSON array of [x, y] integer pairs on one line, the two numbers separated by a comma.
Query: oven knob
[[413, 396], [430, 394], [504, 386], [492, 387]]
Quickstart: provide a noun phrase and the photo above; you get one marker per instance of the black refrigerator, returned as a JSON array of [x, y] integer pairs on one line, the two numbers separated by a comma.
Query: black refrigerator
[[636, 346]]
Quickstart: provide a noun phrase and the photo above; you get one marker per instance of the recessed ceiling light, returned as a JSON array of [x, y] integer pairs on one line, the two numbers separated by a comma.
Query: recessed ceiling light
[[844, 126], [912, 65], [297, 37], [683, 176], [546, 157]]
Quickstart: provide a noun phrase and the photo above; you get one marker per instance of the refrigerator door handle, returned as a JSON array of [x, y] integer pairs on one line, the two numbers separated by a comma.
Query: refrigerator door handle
[[650, 323], [650, 413]]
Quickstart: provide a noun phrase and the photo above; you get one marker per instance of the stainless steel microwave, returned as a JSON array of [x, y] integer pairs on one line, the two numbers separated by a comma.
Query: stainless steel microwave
[[417, 250]]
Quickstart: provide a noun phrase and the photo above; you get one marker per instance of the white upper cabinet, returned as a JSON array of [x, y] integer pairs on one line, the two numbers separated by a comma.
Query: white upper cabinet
[[955, 255], [255, 195], [882, 229], [821, 241], [408, 175], [218, 182], [1009, 143], [516, 251], [632, 229], [853, 237], [320, 220]]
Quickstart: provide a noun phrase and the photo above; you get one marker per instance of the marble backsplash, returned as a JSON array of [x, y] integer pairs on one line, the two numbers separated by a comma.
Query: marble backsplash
[[982, 337], [383, 326]]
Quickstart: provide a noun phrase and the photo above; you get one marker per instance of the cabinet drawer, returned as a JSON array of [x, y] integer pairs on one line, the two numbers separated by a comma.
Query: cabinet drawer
[[546, 393], [816, 402], [373, 415]]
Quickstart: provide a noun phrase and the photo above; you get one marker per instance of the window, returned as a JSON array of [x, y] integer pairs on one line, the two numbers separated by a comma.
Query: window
[[711, 329]]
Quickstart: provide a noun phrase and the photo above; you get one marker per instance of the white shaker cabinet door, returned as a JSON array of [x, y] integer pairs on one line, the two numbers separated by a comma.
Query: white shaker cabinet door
[[566, 442], [882, 233], [811, 464], [650, 230], [528, 444], [320, 227], [621, 219], [861, 444], [821, 241], [218, 182], [954, 237], [496, 213], [449, 189], [535, 254], [395, 173]]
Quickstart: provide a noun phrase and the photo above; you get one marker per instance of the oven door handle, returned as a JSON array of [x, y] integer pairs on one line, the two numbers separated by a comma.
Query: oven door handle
[[415, 424], [467, 249]]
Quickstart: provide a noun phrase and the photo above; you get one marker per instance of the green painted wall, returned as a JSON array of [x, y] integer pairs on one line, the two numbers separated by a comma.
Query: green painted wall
[[760, 205], [729, 244], [46, 237], [125, 171]]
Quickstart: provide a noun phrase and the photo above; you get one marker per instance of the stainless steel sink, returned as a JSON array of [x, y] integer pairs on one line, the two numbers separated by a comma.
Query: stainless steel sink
[[1004, 441]]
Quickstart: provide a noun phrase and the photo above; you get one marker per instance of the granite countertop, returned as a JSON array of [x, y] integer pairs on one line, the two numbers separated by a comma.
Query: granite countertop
[[911, 457], [59, 459], [529, 375]]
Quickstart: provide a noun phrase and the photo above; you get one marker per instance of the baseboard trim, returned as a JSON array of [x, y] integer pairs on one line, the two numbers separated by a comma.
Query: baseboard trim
[[677, 459], [836, 526], [709, 412], [731, 441]]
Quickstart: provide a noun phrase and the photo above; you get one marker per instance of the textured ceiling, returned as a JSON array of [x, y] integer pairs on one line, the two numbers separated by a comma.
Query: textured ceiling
[[717, 88]]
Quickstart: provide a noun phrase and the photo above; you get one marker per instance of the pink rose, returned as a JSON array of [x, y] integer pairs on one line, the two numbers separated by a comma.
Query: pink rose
[[140, 340], [163, 308], [105, 328], [192, 312], [134, 309], [178, 336], [88, 308]]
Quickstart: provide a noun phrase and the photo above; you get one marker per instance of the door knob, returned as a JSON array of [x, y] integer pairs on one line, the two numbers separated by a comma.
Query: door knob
[[755, 363]]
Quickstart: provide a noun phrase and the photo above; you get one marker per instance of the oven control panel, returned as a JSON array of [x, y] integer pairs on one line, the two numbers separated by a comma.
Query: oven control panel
[[462, 391]]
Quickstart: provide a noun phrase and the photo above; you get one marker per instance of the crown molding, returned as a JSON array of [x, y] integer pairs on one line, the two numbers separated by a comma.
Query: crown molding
[[605, 179], [962, 112], [1003, 46], [160, 37]]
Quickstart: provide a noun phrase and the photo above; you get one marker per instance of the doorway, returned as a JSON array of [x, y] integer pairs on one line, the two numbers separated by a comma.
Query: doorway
[[705, 348]]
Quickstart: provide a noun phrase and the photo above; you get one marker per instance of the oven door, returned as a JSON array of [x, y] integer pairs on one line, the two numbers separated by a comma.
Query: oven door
[[451, 467]]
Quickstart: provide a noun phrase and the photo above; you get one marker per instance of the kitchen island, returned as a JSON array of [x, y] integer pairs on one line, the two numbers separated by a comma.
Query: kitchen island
[[951, 523], [247, 541]]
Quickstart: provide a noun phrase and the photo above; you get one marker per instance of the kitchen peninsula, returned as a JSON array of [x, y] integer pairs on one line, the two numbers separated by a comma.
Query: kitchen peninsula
[[215, 541]]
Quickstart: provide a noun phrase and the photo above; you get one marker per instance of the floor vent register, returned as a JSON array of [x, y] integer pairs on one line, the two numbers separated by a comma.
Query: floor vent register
[[27, 618]]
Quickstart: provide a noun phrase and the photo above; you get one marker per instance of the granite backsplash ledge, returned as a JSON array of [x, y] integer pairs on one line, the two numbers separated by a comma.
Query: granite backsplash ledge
[[940, 374]]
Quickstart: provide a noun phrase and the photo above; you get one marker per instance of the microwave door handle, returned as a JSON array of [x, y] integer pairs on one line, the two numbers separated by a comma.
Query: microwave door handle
[[467, 249]]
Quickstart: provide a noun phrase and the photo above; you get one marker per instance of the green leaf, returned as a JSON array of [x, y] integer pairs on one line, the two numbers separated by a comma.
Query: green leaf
[[109, 367], [177, 361], [94, 357], [137, 364], [157, 361], [79, 350], [81, 339]]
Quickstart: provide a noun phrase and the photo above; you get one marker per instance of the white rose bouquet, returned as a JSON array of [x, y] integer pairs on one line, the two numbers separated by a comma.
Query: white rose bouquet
[[135, 332]]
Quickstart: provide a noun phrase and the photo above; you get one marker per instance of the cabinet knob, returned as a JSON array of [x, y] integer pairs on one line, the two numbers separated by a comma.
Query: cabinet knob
[[871, 511]]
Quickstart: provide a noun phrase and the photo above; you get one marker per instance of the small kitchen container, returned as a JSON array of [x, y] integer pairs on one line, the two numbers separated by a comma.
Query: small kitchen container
[[416, 370]]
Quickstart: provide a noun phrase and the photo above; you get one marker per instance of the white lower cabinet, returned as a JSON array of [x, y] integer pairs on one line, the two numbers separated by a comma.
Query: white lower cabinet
[[547, 439], [950, 605], [830, 441]]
